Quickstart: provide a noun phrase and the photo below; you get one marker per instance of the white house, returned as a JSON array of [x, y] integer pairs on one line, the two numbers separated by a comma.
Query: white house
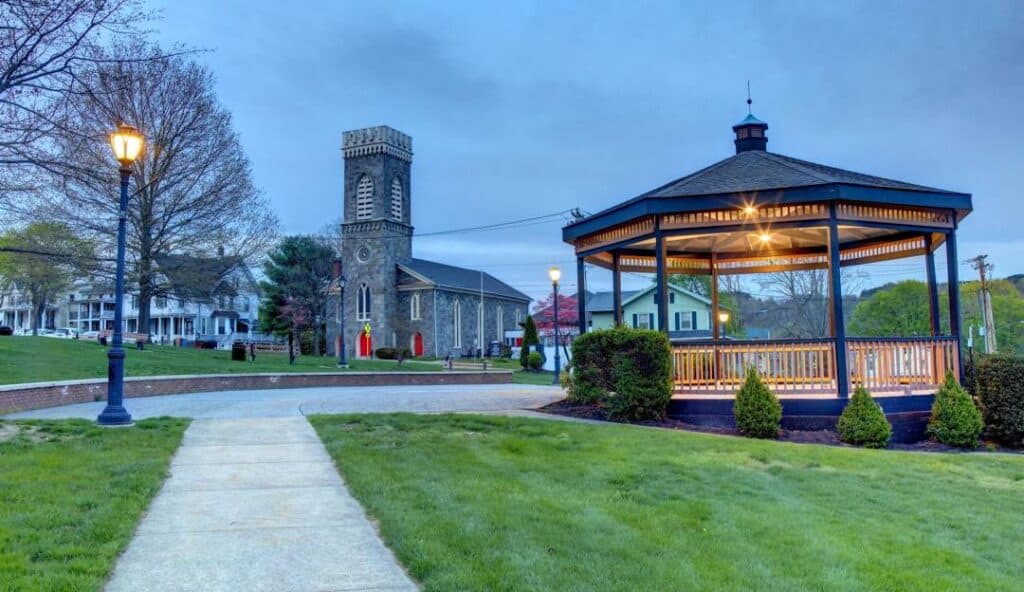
[[206, 298]]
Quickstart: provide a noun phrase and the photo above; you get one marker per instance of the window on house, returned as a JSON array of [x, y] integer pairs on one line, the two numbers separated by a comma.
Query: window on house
[[685, 320], [457, 316], [671, 297], [396, 199], [364, 198], [363, 303], [414, 306], [643, 320], [519, 317], [161, 302]]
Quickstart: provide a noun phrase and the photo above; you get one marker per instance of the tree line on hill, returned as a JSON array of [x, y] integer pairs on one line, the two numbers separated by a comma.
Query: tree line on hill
[[70, 73]]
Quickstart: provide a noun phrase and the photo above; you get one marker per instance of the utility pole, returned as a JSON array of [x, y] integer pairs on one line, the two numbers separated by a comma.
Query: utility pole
[[985, 301]]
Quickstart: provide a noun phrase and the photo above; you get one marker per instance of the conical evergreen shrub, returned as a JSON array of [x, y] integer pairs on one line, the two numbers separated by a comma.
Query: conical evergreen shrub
[[955, 420], [863, 422], [757, 410]]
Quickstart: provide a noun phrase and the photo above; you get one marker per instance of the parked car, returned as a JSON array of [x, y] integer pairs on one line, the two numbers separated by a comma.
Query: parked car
[[62, 333], [91, 335]]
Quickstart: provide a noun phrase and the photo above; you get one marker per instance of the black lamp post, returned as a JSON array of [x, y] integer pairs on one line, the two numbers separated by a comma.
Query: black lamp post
[[127, 144], [556, 274], [340, 312]]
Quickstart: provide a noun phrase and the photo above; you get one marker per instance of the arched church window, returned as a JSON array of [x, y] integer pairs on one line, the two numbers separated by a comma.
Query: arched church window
[[414, 307], [501, 324], [457, 316], [363, 303], [396, 199], [364, 198]]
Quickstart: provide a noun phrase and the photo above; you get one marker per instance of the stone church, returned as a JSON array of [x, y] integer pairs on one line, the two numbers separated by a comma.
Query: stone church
[[391, 298]]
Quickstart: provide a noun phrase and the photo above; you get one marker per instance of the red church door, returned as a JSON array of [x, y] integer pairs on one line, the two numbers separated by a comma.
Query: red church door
[[417, 344], [365, 345]]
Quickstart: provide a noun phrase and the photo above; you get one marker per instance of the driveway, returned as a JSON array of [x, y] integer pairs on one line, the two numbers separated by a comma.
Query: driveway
[[495, 398]]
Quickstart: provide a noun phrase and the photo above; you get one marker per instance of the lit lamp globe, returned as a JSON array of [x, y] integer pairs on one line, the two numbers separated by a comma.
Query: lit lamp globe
[[126, 143], [723, 317], [555, 274]]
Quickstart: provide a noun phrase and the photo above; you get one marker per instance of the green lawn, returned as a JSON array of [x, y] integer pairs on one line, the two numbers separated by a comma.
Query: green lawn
[[485, 503], [71, 494], [34, 359]]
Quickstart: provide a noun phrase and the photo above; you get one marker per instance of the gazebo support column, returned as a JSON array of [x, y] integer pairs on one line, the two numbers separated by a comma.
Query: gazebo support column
[[581, 294], [952, 270], [661, 288], [714, 297], [933, 292], [616, 290], [838, 326]]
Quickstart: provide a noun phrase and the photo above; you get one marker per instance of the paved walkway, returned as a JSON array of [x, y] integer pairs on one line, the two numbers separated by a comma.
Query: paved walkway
[[255, 504], [491, 398], [253, 501]]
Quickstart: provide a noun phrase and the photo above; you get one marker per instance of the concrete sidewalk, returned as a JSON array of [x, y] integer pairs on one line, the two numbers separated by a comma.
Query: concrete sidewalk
[[255, 504]]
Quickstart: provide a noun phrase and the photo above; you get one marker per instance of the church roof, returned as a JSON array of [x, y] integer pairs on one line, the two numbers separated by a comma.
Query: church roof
[[460, 278], [757, 170]]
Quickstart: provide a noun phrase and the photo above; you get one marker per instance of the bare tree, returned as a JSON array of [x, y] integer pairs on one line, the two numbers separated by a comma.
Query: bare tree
[[193, 190], [45, 47], [803, 299]]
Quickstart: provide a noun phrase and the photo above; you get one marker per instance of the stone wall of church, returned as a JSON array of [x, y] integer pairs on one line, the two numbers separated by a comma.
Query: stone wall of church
[[446, 300]]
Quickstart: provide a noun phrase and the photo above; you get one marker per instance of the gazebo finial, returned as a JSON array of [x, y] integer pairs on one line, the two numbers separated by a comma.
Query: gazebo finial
[[749, 102]]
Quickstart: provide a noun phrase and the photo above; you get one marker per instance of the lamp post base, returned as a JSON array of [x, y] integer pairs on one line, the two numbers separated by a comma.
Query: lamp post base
[[114, 416]]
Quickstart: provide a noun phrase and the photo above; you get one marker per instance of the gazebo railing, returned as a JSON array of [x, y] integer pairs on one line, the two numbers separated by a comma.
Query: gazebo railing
[[807, 366], [901, 364], [799, 366]]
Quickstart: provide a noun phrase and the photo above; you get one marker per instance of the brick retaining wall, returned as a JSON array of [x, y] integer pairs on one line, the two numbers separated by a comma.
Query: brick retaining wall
[[23, 397]]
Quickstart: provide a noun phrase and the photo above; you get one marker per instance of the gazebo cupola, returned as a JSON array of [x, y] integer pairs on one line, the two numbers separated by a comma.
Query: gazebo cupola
[[760, 212], [750, 134]]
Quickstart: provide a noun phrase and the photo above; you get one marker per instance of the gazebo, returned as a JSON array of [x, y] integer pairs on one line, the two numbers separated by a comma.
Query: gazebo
[[761, 212]]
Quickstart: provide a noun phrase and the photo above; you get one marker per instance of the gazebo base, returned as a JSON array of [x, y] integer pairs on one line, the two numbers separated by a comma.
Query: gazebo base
[[908, 414]]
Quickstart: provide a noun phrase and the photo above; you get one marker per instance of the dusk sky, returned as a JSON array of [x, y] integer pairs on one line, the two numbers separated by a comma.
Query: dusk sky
[[522, 109]]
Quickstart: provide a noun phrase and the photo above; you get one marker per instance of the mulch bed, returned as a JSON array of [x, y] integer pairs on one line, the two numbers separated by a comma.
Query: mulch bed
[[827, 437]]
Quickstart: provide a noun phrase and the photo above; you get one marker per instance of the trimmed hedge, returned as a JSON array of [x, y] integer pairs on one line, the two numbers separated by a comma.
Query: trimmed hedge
[[757, 410], [955, 420], [1000, 391], [628, 370], [391, 353], [535, 361], [6, 331], [863, 422]]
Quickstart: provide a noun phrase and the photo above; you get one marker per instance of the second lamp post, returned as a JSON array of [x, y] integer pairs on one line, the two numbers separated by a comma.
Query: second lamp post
[[556, 274]]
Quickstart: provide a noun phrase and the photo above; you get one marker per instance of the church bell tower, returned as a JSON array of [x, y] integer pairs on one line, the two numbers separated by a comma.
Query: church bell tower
[[376, 232]]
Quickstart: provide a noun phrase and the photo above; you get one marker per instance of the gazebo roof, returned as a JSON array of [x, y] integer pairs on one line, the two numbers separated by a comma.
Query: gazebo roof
[[754, 176], [755, 171]]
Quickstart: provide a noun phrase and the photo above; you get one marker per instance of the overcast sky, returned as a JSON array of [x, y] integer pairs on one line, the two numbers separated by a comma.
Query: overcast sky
[[519, 109]]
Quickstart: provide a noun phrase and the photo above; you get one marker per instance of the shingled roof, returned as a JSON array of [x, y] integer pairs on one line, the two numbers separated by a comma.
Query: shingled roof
[[196, 278], [460, 278], [756, 170]]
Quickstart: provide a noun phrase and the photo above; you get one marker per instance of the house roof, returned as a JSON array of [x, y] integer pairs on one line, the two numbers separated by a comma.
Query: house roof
[[603, 301], [461, 278], [758, 170], [195, 277]]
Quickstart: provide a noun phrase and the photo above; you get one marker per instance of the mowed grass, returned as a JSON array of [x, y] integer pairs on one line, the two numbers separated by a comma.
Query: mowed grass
[[36, 359], [488, 503], [71, 494]]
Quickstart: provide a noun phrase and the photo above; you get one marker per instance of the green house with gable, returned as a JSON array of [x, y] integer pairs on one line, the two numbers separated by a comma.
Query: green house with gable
[[689, 313]]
